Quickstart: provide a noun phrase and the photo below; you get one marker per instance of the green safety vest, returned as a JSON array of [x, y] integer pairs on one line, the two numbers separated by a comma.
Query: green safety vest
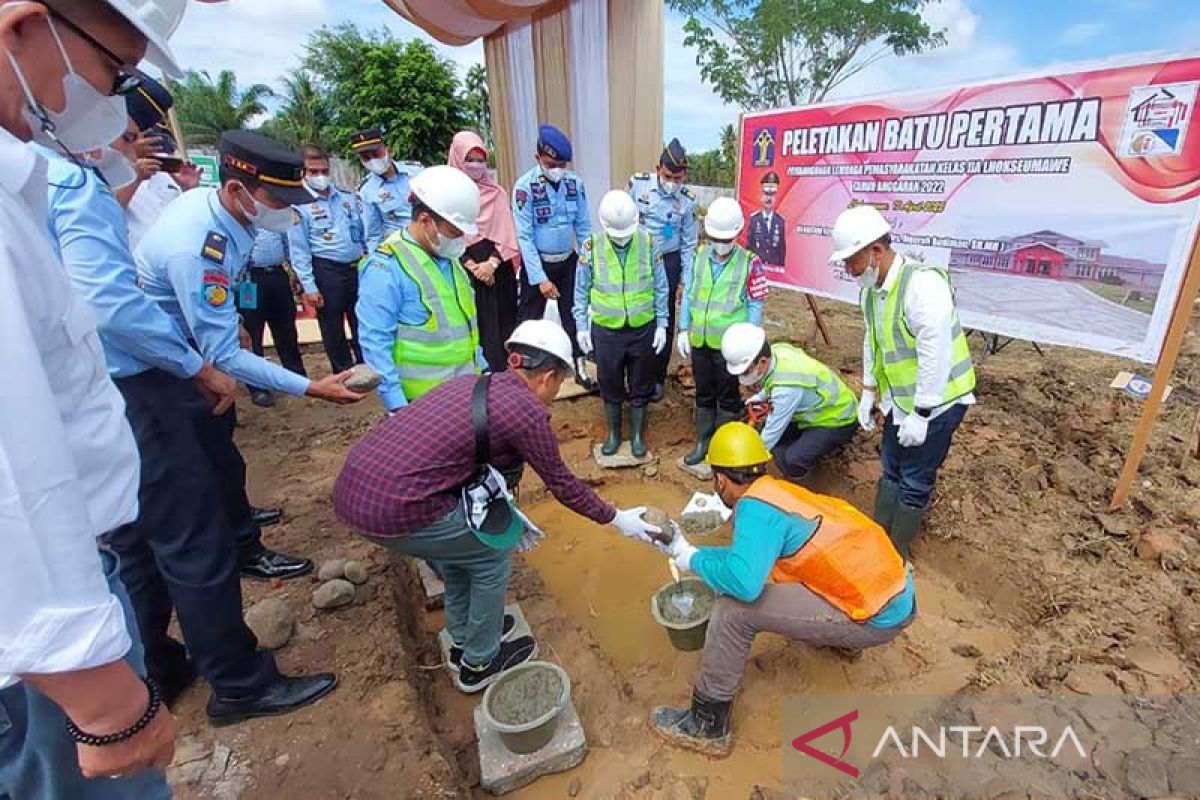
[[444, 346], [718, 304], [622, 294], [794, 367], [895, 347]]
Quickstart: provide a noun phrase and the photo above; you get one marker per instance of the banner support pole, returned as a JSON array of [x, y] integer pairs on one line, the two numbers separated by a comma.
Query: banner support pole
[[1180, 317]]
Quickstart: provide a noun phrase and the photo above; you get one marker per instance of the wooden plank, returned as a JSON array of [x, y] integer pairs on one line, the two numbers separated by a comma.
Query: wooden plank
[[1180, 318]]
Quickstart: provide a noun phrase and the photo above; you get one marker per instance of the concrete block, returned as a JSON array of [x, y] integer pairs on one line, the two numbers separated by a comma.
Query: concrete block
[[502, 771], [701, 471], [521, 629], [435, 590], [622, 458]]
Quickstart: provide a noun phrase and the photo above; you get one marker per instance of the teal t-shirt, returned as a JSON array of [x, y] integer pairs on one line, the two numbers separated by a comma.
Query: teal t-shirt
[[762, 534]]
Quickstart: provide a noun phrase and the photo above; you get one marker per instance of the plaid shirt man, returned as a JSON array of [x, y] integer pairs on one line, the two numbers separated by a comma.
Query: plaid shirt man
[[406, 474]]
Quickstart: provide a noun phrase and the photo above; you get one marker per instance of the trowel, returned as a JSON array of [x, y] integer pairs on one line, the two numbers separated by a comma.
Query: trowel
[[683, 602]]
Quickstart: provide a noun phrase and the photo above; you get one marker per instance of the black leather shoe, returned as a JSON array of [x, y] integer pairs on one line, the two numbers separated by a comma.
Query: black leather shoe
[[284, 696], [262, 398], [172, 685], [265, 516], [268, 565]]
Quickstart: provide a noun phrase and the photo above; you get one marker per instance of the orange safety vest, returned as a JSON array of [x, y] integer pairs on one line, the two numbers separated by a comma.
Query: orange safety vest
[[849, 559]]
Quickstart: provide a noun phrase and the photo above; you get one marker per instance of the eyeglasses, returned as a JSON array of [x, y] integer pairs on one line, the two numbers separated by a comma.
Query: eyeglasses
[[128, 77]]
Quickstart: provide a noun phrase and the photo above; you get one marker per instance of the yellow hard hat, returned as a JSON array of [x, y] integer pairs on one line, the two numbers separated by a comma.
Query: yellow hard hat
[[736, 445]]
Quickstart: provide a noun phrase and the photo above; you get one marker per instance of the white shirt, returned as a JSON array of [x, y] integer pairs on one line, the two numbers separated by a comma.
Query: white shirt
[[148, 203], [929, 313], [68, 462]]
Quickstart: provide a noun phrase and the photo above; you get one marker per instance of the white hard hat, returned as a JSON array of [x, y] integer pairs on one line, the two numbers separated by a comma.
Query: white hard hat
[[856, 228], [156, 20], [450, 194], [741, 345], [724, 219], [618, 214], [544, 335]]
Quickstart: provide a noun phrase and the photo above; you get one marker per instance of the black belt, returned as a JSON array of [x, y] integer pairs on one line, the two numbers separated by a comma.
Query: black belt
[[266, 267]]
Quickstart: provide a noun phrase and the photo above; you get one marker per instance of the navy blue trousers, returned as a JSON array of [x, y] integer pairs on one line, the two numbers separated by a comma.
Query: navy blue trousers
[[915, 469]]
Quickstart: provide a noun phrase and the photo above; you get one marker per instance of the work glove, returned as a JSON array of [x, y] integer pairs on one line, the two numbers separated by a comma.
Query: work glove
[[866, 408], [629, 522], [912, 431], [683, 343], [530, 539], [660, 340], [681, 552], [584, 338]]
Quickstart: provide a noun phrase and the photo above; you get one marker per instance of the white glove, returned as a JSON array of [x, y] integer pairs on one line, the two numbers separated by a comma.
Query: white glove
[[660, 340], [681, 553], [912, 431], [629, 522], [584, 338], [683, 343], [866, 405], [530, 539]]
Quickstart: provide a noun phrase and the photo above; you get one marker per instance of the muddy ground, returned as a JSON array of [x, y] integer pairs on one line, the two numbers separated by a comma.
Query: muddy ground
[[1025, 582]]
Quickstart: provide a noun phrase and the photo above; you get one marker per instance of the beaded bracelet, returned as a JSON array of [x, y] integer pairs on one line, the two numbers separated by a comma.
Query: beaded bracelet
[[92, 740]]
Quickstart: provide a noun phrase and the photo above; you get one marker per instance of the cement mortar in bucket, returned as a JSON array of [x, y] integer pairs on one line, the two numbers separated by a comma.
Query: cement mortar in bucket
[[524, 705], [686, 622]]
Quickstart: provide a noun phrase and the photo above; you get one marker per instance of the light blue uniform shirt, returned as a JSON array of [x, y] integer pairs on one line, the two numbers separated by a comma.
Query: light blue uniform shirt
[[270, 249], [385, 205], [670, 218], [189, 263], [329, 227], [685, 305], [584, 279], [387, 299], [762, 534], [88, 228], [550, 219]]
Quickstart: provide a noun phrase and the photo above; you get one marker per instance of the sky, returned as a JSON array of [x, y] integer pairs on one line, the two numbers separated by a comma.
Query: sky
[[260, 40]]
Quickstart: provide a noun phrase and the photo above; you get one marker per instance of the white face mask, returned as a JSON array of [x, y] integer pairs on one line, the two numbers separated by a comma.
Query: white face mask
[[318, 183], [748, 378], [378, 165], [869, 277], [476, 170], [723, 248], [670, 187], [271, 219], [450, 247], [114, 166], [89, 120], [555, 174], [619, 241]]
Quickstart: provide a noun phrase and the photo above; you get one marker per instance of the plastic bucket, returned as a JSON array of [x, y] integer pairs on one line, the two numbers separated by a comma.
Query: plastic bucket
[[533, 735], [686, 636]]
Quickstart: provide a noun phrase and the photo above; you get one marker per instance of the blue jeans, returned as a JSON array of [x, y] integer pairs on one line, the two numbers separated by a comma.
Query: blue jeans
[[914, 469], [476, 579], [38, 759]]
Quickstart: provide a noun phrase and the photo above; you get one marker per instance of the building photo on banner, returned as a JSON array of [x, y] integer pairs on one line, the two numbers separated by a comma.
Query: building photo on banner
[[1065, 205]]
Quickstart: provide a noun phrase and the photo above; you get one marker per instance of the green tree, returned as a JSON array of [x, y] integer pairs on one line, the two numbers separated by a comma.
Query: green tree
[[729, 142], [305, 116], [764, 54], [374, 80], [476, 109], [207, 108]]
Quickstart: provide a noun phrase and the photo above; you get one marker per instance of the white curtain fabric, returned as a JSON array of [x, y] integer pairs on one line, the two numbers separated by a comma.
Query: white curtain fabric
[[588, 69], [522, 91]]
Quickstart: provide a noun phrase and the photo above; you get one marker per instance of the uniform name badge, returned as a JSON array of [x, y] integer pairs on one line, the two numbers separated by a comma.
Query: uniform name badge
[[248, 295]]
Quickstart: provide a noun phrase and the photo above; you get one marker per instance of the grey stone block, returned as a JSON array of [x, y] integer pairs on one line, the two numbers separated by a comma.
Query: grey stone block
[[502, 771], [521, 629], [435, 590], [702, 470], [622, 458]]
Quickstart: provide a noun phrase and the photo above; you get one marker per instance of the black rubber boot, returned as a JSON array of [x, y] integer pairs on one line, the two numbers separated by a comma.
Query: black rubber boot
[[637, 428], [706, 424], [887, 496], [612, 419], [906, 525], [703, 728]]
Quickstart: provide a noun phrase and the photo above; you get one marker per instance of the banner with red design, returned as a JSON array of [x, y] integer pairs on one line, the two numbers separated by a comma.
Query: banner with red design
[[1065, 206]]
